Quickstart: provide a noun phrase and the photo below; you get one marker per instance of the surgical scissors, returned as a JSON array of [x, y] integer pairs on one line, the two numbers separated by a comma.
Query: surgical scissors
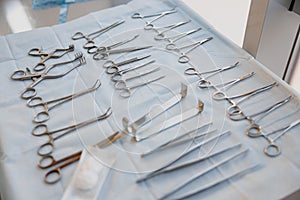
[[183, 57], [149, 24], [125, 91], [121, 83], [56, 53], [117, 75], [43, 115], [55, 175], [161, 34], [105, 54], [175, 38], [90, 37], [255, 130], [30, 91], [101, 49], [42, 129]]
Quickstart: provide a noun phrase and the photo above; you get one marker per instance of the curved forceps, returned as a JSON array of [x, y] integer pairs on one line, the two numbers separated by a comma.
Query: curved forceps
[[112, 67], [235, 113], [105, 55], [43, 115], [272, 149], [30, 91], [55, 175], [102, 49], [116, 73], [203, 82], [91, 36], [183, 58], [161, 35], [149, 24], [255, 130], [229, 84], [42, 129], [121, 83], [125, 91], [56, 53], [175, 38]]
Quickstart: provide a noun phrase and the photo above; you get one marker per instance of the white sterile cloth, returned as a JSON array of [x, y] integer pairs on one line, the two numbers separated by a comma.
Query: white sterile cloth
[[22, 179]]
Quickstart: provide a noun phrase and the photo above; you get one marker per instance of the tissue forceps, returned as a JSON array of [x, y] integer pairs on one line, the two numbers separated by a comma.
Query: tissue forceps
[[161, 35], [104, 55], [183, 57], [91, 36], [112, 67], [175, 38], [121, 83], [117, 75], [149, 24], [55, 175], [30, 91], [210, 168], [56, 53], [42, 129], [43, 115], [255, 130], [101, 49], [192, 149], [125, 91]]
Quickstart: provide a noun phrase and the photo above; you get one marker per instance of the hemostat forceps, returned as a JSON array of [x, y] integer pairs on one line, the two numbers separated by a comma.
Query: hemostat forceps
[[30, 91], [102, 49], [55, 175], [90, 37], [43, 115], [161, 34], [183, 58], [140, 16], [175, 38], [104, 55], [56, 53], [42, 129], [125, 91]]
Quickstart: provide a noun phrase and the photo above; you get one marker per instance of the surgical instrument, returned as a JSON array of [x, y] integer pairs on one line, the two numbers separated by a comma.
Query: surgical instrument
[[121, 83], [203, 82], [125, 91], [173, 121], [149, 24], [212, 167], [161, 34], [91, 36], [30, 91], [269, 149], [130, 129], [235, 113], [255, 129], [104, 55], [175, 38], [55, 175], [56, 53], [101, 49], [222, 96], [193, 148], [140, 16], [215, 183], [115, 69], [43, 115], [42, 129], [117, 76], [177, 139], [183, 58]]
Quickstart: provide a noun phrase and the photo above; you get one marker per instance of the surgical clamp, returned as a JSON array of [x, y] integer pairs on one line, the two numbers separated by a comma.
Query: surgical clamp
[[175, 38]]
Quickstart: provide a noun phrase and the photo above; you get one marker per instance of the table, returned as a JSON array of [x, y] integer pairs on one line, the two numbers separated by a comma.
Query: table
[[20, 178]]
